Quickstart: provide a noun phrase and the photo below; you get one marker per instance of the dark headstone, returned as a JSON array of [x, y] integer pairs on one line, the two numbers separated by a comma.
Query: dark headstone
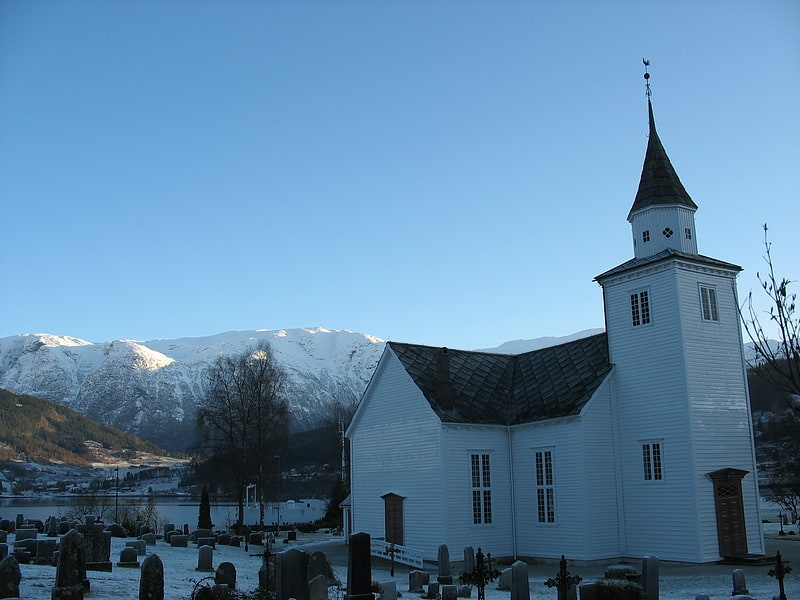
[[139, 545], [7, 526], [3, 536], [151, 581], [416, 580], [97, 545], [444, 577], [207, 541], [433, 590], [650, 578], [71, 569], [318, 565], [226, 575], [359, 568], [588, 591], [128, 557], [739, 583], [149, 539], [469, 560], [45, 549], [3, 550], [388, 590], [10, 576], [448, 591], [318, 588], [26, 533], [178, 540], [255, 539], [291, 575], [116, 530]]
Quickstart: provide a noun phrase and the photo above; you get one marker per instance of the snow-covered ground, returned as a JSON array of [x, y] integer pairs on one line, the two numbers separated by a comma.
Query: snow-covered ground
[[677, 582]]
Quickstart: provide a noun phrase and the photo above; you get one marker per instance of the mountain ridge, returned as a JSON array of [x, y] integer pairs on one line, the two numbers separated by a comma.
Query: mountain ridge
[[152, 388]]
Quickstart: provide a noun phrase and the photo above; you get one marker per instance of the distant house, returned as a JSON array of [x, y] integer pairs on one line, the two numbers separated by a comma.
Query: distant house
[[631, 442]]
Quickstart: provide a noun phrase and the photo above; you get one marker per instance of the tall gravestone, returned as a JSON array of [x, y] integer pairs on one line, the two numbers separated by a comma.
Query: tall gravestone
[[10, 576], [469, 560], [520, 588], [291, 575], [650, 577], [359, 568], [205, 558], [71, 569], [151, 580], [444, 577], [97, 545], [226, 575]]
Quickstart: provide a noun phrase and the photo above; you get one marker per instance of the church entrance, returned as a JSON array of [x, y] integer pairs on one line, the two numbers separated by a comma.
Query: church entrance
[[393, 518], [731, 530]]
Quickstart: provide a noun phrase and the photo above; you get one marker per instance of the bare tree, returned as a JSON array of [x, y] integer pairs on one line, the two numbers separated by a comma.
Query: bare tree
[[243, 418], [777, 361]]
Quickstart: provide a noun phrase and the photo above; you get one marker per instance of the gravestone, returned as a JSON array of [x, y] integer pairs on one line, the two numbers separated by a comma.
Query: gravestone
[[139, 545], [151, 581], [236, 541], [7, 526], [444, 577], [318, 588], [448, 591], [433, 591], [71, 582], [3, 536], [179, 540], [3, 550], [20, 520], [255, 539], [416, 580], [465, 591], [45, 549], [200, 533], [185, 529], [205, 558], [226, 575], [739, 583], [291, 575], [469, 560], [52, 527], [149, 538], [504, 581], [26, 533], [359, 568], [520, 589], [64, 527], [650, 577], [116, 530], [10, 576], [97, 545], [128, 558], [224, 539], [207, 541], [27, 545], [168, 527], [318, 565], [388, 590]]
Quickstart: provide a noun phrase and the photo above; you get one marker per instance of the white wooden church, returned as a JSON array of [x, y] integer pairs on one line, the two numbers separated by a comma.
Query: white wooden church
[[637, 441]]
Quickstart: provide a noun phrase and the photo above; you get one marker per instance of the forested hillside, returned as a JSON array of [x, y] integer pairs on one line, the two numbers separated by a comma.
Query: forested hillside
[[32, 429]]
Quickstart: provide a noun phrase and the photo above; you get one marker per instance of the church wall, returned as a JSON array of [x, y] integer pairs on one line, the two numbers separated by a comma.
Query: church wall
[[721, 422], [396, 447], [655, 220], [649, 382], [459, 443], [567, 535], [600, 490]]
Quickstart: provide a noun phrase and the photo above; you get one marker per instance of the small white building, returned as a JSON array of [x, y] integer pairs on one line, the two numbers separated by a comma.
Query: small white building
[[631, 442]]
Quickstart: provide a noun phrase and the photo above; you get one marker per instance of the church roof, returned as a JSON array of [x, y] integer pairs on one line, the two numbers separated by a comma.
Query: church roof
[[659, 183], [667, 254], [503, 389]]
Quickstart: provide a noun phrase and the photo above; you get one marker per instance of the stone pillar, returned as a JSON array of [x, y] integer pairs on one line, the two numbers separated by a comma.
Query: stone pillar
[[444, 577], [650, 577], [359, 568], [469, 560]]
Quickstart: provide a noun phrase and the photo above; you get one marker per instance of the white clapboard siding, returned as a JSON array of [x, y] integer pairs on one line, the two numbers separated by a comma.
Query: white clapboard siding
[[396, 448], [651, 405], [460, 442], [600, 491], [720, 412]]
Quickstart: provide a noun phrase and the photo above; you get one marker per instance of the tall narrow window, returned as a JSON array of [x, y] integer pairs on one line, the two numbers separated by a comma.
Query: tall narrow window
[[546, 508], [481, 489], [708, 301], [651, 461], [646, 235], [640, 308]]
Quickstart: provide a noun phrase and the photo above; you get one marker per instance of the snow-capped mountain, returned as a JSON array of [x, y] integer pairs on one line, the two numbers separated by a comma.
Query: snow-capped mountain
[[152, 389]]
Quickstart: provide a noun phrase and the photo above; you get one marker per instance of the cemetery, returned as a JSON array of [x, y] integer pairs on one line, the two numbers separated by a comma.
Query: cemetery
[[63, 560]]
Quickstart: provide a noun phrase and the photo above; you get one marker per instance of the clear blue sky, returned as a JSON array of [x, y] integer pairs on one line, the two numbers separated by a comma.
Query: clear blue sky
[[446, 173]]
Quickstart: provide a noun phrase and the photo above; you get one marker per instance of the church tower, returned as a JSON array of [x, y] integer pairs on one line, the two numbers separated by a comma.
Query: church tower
[[687, 480]]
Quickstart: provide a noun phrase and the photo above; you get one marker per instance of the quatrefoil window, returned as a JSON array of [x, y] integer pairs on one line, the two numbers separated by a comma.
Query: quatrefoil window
[[667, 232]]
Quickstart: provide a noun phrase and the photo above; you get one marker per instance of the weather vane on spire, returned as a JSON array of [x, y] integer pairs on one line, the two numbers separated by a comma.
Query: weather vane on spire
[[647, 77]]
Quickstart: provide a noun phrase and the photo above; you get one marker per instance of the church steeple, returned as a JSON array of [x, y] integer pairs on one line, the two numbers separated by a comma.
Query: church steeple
[[662, 215]]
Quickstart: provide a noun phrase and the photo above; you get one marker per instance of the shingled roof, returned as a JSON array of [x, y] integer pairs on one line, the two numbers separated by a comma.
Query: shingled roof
[[503, 389], [659, 183]]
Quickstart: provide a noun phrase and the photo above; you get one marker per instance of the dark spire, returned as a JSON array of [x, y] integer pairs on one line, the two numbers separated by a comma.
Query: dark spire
[[659, 183]]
